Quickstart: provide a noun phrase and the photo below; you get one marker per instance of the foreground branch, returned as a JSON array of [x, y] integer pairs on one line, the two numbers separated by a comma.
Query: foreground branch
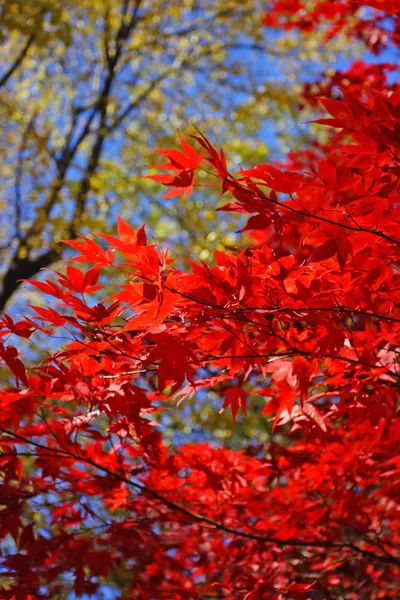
[[202, 520]]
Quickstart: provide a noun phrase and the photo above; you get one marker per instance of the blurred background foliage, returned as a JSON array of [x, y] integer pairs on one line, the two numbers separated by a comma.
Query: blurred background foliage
[[87, 87]]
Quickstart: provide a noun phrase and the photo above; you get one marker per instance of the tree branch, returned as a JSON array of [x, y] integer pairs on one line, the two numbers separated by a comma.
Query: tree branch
[[303, 213], [202, 520], [24, 269], [15, 65]]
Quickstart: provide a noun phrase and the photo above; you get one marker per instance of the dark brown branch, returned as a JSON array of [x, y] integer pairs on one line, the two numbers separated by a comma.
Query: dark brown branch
[[208, 522], [284, 206], [24, 269], [137, 102], [337, 309], [103, 130], [296, 352], [16, 64]]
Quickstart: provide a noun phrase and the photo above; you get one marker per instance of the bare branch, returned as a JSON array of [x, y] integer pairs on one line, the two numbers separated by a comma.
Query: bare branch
[[285, 206], [204, 521], [16, 64], [25, 269]]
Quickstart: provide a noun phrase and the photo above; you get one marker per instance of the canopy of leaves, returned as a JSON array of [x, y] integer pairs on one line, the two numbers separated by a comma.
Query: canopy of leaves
[[305, 321]]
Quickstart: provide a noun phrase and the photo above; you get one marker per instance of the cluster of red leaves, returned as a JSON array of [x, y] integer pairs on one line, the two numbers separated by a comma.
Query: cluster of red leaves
[[373, 22], [309, 320], [359, 78]]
